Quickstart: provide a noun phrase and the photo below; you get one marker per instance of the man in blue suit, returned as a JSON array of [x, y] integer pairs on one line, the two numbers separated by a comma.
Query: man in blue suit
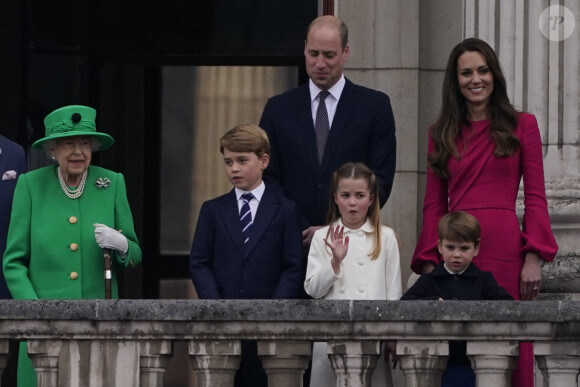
[[247, 243], [12, 165], [360, 127]]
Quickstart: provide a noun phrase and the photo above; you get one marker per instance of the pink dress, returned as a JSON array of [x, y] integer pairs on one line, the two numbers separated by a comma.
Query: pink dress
[[487, 186]]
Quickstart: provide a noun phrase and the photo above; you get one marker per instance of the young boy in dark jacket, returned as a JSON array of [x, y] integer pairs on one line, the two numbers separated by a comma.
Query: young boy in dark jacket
[[457, 278]]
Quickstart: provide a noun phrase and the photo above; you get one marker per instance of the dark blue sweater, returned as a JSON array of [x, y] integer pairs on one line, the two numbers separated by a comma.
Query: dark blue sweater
[[472, 284]]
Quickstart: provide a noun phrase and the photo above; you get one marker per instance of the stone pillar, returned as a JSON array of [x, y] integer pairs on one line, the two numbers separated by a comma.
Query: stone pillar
[[153, 358], [285, 361], [353, 361], [559, 362], [554, 95], [112, 362], [215, 362], [423, 362], [44, 356], [543, 78], [493, 362], [384, 49]]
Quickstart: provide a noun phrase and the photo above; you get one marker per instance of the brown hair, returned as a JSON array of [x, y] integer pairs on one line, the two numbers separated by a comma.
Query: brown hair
[[331, 21], [246, 138], [357, 171], [459, 226], [453, 114]]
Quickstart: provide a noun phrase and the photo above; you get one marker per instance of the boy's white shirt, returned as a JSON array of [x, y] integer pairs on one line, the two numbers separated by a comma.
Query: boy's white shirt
[[258, 192], [359, 277], [450, 272]]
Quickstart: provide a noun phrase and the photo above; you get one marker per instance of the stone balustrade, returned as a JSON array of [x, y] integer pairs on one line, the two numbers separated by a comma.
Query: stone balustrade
[[129, 342]]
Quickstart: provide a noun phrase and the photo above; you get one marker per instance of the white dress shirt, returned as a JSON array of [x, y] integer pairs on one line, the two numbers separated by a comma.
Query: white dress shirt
[[331, 101], [258, 192]]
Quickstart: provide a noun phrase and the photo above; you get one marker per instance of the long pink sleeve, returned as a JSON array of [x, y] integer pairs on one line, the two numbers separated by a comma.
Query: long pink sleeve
[[434, 207], [536, 228], [487, 186]]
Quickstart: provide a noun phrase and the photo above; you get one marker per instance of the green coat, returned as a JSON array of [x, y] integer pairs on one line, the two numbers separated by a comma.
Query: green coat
[[51, 251]]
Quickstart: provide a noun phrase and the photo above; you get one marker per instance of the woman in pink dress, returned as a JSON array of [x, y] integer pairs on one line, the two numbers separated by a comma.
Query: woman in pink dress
[[479, 149]]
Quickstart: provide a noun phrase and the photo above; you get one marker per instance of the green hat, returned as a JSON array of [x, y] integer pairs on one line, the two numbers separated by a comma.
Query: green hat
[[73, 120]]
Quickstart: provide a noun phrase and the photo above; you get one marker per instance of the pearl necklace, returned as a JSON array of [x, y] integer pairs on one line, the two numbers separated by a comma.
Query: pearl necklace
[[72, 193]]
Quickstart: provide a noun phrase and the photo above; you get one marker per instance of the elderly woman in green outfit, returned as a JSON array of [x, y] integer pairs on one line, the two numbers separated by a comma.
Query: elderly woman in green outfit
[[62, 218]]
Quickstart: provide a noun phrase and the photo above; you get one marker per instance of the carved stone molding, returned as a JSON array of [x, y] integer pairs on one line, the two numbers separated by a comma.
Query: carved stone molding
[[563, 196], [563, 274]]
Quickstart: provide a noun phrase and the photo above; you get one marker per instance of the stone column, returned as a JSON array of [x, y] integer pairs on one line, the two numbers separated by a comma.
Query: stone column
[[353, 361], [543, 78], [554, 95], [384, 49], [285, 361], [493, 362], [400, 47], [559, 362], [423, 362], [153, 358], [44, 356], [215, 362]]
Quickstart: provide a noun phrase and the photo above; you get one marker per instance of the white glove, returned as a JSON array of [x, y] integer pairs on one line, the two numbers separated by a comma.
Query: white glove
[[108, 238]]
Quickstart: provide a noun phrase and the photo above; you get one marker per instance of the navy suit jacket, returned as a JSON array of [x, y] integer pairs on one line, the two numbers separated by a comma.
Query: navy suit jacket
[[472, 284], [270, 265], [12, 159], [363, 130]]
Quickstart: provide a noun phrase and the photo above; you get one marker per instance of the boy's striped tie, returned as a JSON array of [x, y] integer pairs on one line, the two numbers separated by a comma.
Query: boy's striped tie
[[246, 216]]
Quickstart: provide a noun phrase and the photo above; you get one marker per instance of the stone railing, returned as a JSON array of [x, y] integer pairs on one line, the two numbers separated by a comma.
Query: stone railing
[[129, 342]]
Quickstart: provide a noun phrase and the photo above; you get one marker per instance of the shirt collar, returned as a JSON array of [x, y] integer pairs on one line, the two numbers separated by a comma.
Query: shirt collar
[[335, 90], [258, 192], [452, 273], [367, 227]]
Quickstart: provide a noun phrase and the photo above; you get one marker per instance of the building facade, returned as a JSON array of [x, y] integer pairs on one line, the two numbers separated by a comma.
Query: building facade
[[401, 48]]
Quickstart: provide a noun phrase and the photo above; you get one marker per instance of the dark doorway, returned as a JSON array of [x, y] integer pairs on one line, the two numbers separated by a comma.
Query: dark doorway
[[118, 56]]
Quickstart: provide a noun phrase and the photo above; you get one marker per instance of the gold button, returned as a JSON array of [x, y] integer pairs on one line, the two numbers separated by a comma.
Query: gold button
[[74, 247], [73, 219], [74, 275], [131, 263]]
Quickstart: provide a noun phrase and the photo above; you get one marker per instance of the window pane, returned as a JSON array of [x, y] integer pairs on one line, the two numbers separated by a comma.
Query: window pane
[[199, 104]]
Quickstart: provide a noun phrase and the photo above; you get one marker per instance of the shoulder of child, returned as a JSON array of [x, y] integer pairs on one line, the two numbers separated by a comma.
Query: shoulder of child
[[388, 233], [387, 230], [321, 232]]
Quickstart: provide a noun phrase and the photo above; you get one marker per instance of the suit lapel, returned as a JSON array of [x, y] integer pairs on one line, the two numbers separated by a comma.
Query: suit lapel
[[343, 110], [267, 208], [306, 126], [231, 217]]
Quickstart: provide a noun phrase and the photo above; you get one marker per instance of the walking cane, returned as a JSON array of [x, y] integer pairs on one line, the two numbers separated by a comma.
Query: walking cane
[[107, 257]]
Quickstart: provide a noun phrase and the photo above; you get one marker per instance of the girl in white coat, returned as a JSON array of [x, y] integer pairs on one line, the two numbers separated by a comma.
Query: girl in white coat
[[354, 257]]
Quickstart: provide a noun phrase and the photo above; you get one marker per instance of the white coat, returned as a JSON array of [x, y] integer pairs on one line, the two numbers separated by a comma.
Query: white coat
[[359, 278]]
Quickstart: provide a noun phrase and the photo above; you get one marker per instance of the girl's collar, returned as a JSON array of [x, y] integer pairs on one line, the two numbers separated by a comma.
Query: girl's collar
[[366, 227]]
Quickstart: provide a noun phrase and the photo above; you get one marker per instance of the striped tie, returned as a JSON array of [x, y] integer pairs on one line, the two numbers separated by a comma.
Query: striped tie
[[246, 216]]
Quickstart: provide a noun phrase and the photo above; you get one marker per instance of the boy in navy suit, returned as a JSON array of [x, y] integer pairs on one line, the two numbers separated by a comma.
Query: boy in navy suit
[[247, 247], [457, 278]]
